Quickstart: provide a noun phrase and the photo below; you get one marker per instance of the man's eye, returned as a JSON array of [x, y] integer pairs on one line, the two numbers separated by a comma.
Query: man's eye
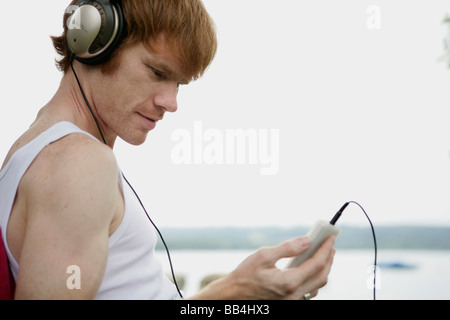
[[158, 73]]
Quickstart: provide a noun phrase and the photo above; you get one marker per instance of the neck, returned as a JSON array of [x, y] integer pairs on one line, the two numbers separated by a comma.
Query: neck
[[70, 104]]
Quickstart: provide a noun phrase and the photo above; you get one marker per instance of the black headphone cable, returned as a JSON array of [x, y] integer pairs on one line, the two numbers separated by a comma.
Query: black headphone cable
[[336, 218]]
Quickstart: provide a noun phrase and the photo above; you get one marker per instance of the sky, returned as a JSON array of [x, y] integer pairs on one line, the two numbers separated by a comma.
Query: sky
[[307, 105]]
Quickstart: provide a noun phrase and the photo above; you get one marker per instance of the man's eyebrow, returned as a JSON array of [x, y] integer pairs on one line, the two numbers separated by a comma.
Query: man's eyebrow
[[161, 66]]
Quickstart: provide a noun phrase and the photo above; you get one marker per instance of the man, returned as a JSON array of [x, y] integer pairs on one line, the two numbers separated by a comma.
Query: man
[[64, 204]]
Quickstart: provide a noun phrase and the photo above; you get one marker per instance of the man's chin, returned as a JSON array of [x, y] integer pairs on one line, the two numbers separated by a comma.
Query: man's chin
[[136, 140]]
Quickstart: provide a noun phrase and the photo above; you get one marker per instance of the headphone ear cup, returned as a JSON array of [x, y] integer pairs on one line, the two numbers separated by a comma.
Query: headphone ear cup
[[83, 28], [106, 29], [94, 30]]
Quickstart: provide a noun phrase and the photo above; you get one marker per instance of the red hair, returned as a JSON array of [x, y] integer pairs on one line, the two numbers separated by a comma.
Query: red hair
[[185, 24]]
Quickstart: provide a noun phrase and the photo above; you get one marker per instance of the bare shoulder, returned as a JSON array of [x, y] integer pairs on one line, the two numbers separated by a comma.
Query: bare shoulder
[[73, 170], [75, 154]]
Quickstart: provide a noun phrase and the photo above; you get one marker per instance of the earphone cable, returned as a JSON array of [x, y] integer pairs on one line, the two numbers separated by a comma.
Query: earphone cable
[[72, 56], [129, 184], [160, 235], [374, 241]]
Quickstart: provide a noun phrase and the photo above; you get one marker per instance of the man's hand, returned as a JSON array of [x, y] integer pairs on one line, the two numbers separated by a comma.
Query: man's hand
[[259, 278]]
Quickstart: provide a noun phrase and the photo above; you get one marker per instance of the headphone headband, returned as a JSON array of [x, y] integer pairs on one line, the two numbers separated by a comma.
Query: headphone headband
[[95, 29]]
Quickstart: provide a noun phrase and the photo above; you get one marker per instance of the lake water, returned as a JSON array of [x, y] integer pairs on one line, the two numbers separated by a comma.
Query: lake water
[[351, 277]]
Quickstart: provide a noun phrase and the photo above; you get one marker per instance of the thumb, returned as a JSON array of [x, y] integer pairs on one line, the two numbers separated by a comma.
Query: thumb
[[294, 247], [287, 249]]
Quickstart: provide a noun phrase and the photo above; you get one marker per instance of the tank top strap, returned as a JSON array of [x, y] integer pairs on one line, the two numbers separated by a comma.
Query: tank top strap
[[30, 151]]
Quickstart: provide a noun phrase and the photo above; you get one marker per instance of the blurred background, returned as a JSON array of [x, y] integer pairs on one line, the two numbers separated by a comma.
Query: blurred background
[[346, 100]]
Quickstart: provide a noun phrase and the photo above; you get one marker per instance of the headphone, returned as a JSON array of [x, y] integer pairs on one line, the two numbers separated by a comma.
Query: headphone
[[95, 28]]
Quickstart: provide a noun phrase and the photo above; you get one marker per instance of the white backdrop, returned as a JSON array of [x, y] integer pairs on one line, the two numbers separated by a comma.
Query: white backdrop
[[343, 100]]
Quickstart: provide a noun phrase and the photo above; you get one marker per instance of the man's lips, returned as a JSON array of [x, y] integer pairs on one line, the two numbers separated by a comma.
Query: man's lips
[[152, 118], [150, 122]]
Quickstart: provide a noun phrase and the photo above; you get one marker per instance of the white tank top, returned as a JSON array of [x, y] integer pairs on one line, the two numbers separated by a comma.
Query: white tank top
[[132, 270]]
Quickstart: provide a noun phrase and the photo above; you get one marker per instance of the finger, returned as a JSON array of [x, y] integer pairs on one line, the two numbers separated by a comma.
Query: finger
[[314, 283], [319, 260], [314, 270], [287, 249], [321, 278]]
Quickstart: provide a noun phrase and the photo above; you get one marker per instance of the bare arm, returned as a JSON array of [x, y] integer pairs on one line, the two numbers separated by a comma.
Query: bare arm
[[258, 277], [71, 194]]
